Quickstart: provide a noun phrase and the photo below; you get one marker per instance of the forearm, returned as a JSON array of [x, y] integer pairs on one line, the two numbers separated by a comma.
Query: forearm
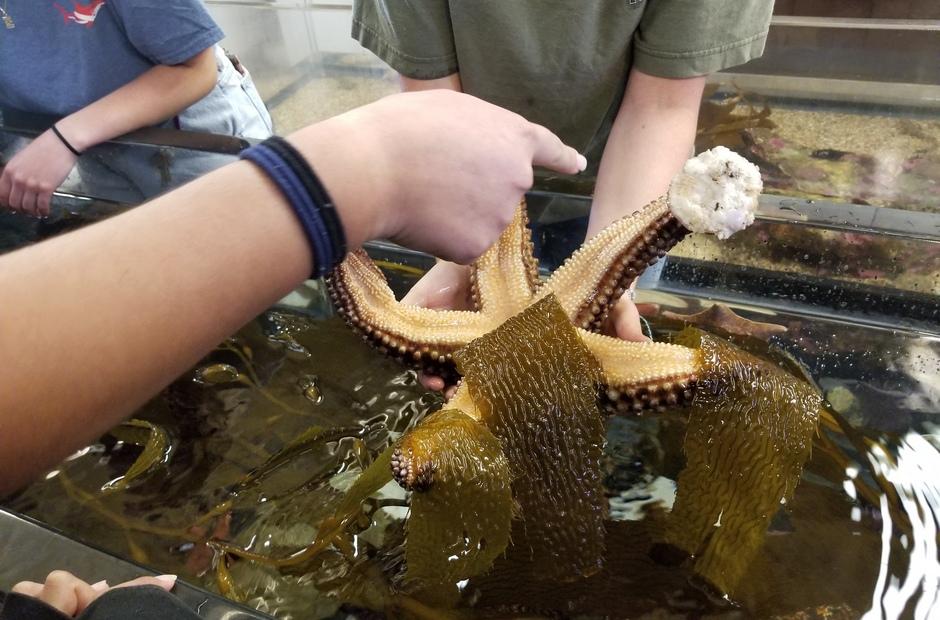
[[95, 322], [66, 337], [99, 320], [650, 140], [151, 98]]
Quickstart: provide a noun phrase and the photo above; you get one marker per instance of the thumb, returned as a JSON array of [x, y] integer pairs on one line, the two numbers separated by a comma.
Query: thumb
[[626, 321], [551, 152], [162, 581]]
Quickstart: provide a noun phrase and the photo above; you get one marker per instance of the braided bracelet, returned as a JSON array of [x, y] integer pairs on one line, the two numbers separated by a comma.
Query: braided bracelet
[[307, 197], [314, 187]]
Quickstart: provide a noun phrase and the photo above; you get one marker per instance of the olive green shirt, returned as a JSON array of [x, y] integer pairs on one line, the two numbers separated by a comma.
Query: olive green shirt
[[562, 64]]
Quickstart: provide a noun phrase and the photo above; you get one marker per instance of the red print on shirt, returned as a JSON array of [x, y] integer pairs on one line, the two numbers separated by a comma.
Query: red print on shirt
[[84, 14]]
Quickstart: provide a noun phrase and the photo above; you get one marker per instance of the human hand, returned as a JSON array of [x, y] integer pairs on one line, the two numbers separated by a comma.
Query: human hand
[[624, 319], [70, 595], [445, 286], [28, 180], [438, 171]]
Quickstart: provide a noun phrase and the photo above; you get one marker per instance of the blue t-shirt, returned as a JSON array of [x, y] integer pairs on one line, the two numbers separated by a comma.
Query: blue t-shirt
[[63, 54]]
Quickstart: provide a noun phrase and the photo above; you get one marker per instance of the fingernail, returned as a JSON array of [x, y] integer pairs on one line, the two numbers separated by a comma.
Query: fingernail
[[169, 580], [582, 163], [101, 586]]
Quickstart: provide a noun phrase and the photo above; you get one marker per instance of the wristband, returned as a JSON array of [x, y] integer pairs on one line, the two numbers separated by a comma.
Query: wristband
[[315, 188], [307, 197], [68, 145]]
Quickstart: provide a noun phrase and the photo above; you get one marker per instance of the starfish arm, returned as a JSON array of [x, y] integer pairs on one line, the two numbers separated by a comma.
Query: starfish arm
[[595, 276], [644, 375], [504, 278], [420, 335], [715, 193]]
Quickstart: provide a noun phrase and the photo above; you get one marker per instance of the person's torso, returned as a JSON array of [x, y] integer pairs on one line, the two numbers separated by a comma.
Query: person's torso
[[62, 55], [561, 64]]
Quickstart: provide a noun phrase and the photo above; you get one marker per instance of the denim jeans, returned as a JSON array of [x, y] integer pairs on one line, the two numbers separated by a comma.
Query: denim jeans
[[233, 107]]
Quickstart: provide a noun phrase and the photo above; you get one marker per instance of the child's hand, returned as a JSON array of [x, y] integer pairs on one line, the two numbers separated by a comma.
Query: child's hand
[[70, 595], [28, 180]]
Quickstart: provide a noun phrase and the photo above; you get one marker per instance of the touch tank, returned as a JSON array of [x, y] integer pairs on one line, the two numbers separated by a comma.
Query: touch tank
[[837, 280]]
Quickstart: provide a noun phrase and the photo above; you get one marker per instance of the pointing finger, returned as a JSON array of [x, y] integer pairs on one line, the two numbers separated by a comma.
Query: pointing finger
[[551, 152]]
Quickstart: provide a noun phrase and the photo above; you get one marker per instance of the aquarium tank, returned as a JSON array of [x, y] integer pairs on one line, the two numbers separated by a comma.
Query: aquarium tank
[[302, 471]]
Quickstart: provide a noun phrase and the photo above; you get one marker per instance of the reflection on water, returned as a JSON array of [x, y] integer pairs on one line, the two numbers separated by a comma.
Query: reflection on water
[[908, 541], [222, 431], [269, 431]]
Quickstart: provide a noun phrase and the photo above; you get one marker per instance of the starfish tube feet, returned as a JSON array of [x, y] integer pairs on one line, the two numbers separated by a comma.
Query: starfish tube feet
[[410, 473], [716, 192]]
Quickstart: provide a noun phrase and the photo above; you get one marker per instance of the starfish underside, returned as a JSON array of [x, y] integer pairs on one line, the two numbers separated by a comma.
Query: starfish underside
[[504, 281]]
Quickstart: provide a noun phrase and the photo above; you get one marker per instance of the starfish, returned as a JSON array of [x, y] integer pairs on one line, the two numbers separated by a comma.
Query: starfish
[[723, 318], [638, 376]]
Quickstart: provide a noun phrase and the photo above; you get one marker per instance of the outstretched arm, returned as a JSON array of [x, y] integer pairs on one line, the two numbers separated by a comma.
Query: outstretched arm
[[650, 140], [151, 291], [28, 180]]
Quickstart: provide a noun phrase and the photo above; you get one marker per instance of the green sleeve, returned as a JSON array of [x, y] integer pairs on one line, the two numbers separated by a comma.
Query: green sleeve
[[413, 36], [685, 38]]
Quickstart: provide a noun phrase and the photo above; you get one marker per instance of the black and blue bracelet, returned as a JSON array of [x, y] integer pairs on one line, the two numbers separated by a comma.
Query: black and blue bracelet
[[307, 197]]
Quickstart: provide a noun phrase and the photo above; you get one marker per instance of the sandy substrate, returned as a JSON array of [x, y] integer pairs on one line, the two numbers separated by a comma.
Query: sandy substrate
[[862, 158]]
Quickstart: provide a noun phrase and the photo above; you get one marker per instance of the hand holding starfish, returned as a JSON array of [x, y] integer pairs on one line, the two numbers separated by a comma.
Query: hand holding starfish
[[446, 286]]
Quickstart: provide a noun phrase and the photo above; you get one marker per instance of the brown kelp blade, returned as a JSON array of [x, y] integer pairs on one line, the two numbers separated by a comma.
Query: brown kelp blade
[[749, 434], [312, 437], [332, 530], [535, 384], [156, 450], [460, 524]]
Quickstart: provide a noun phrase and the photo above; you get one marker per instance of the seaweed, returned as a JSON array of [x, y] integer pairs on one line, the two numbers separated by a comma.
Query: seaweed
[[721, 122], [535, 384], [156, 451], [462, 523], [749, 434]]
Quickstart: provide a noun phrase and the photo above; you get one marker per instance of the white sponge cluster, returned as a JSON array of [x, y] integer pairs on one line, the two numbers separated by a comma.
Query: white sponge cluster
[[716, 192]]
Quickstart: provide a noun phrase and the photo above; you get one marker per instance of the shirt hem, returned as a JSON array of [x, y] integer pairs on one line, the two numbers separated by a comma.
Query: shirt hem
[[698, 62], [193, 48]]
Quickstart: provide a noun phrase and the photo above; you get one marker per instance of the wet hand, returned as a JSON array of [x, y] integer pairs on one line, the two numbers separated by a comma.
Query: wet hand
[[70, 595], [624, 319], [445, 286], [28, 180]]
